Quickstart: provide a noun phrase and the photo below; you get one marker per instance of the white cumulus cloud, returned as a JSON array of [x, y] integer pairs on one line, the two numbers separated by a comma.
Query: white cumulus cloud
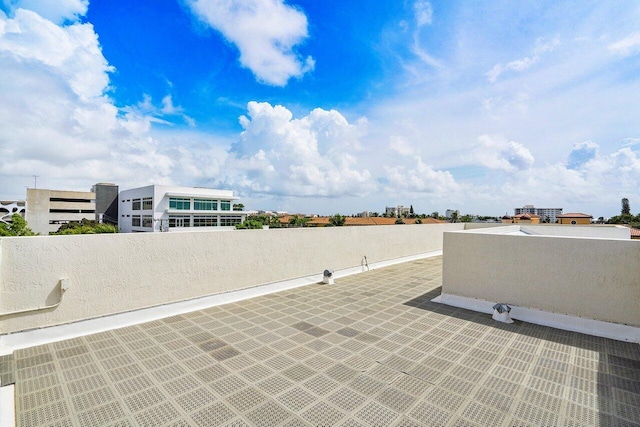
[[57, 11], [419, 177], [498, 153], [581, 153], [71, 52], [56, 120], [264, 31], [311, 156]]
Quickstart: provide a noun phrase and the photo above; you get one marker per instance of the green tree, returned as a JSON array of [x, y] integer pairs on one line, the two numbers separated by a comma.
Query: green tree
[[411, 212], [18, 227], [418, 221], [626, 209], [250, 224], [86, 226], [399, 221], [274, 222], [238, 207], [454, 217], [337, 220], [298, 221]]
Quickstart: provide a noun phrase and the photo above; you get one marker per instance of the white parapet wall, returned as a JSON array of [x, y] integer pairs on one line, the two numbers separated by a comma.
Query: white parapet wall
[[108, 274], [585, 277]]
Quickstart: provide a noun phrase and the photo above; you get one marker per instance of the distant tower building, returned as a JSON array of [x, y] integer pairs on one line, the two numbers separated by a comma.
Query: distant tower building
[[544, 213], [397, 211], [449, 213]]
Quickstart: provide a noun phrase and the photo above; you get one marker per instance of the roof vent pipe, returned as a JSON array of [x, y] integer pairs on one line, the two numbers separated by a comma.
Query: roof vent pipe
[[501, 313], [327, 277]]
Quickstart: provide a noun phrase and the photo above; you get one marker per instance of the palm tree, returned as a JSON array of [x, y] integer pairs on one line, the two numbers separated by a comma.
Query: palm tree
[[337, 220], [298, 221]]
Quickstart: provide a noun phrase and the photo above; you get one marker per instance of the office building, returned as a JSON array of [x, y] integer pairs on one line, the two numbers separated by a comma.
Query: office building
[[157, 208]]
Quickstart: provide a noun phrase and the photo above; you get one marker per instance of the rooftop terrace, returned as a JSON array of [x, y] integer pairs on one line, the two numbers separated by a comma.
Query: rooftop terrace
[[371, 350]]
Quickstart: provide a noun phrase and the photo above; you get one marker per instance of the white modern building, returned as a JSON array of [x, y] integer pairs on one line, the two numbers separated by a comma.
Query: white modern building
[[449, 213], [544, 213], [396, 211], [164, 208]]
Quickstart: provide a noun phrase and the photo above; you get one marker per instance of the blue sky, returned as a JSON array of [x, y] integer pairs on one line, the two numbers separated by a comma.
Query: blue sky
[[325, 107]]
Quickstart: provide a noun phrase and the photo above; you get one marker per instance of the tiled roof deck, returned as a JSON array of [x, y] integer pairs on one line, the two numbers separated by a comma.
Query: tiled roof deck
[[372, 350]]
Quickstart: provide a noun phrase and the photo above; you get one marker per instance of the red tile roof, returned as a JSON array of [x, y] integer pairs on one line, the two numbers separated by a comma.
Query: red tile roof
[[322, 221], [574, 215]]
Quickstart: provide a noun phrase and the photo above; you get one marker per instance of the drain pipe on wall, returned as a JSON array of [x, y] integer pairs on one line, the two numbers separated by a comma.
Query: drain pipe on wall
[[64, 286]]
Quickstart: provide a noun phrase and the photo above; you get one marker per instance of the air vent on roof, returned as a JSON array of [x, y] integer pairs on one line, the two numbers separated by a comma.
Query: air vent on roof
[[327, 277], [501, 313]]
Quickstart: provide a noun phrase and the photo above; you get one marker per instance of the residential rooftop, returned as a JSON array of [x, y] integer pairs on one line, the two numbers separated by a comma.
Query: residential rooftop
[[371, 350]]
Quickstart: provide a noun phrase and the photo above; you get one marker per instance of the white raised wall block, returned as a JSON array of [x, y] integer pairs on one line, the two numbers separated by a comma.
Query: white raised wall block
[[555, 320], [123, 272], [33, 337], [585, 277]]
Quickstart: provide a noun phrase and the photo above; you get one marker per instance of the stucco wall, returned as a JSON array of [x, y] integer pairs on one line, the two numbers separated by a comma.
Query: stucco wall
[[121, 272], [597, 231], [591, 278]]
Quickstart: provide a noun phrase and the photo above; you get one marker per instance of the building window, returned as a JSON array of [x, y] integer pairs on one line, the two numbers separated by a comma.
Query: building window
[[135, 204], [180, 204], [205, 221], [230, 221], [135, 221], [205, 205], [225, 205], [147, 221], [147, 203], [178, 221], [69, 200]]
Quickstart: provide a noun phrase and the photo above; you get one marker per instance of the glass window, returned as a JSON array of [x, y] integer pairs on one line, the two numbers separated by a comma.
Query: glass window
[[147, 203], [225, 205], [147, 221], [136, 204], [205, 221], [179, 203], [179, 221], [205, 205], [229, 221], [135, 221]]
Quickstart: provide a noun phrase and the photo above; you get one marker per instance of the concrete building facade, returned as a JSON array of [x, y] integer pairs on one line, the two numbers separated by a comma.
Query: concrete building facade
[[106, 202], [47, 210], [156, 208]]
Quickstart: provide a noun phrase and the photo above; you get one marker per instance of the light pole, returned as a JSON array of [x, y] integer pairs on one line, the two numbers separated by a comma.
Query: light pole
[[35, 181]]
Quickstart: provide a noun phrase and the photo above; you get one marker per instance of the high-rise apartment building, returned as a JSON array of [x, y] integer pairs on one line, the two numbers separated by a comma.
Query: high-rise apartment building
[[546, 214]]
